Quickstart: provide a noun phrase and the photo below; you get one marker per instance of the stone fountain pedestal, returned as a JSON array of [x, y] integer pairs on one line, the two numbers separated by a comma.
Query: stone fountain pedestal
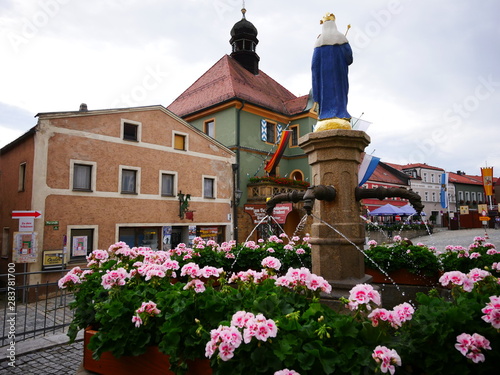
[[334, 156]]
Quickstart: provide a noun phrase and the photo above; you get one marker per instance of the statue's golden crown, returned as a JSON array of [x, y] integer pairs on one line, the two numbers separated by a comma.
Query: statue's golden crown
[[327, 17]]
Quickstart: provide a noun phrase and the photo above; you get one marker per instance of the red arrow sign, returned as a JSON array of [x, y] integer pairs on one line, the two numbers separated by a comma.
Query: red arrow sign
[[21, 214]]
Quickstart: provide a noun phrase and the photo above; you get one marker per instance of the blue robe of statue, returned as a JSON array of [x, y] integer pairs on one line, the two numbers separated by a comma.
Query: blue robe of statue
[[330, 83]]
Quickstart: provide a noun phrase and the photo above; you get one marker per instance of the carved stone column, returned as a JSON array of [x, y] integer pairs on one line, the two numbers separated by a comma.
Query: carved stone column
[[334, 156]]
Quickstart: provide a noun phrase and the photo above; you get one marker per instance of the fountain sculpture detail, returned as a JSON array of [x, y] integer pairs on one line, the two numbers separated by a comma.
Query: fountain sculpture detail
[[334, 153]]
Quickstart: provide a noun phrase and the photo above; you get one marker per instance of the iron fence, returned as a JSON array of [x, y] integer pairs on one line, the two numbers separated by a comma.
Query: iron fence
[[34, 310]]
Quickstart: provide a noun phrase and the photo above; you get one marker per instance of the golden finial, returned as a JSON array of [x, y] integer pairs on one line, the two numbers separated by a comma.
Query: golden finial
[[327, 17], [348, 27]]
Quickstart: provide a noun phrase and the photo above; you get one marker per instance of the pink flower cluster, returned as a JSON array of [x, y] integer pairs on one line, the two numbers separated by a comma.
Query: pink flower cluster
[[97, 257], [249, 276], [286, 372], [492, 311], [75, 276], [470, 346], [276, 239], [372, 243], [302, 277], [396, 317], [195, 272], [271, 262], [363, 294], [466, 281], [496, 266], [252, 245], [147, 309], [386, 358], [114, 278], [228, 339]]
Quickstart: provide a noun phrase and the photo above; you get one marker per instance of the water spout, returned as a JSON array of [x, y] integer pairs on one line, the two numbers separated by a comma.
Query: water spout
[[321, 192]]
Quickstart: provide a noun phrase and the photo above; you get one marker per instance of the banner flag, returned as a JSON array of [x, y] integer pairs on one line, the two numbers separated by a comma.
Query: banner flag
[[444, 190], [271, 164], [487, 174], [367, 167]]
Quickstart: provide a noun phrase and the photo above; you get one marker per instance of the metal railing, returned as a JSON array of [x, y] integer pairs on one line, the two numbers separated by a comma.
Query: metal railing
[[30, 311]]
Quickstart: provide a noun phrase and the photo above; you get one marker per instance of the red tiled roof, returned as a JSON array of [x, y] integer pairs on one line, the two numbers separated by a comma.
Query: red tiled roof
[[465, 179], [226, 80], [420, 165], [381, 174]]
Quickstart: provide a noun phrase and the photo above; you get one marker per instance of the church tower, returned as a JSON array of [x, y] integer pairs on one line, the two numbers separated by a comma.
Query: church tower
[[244, 41]]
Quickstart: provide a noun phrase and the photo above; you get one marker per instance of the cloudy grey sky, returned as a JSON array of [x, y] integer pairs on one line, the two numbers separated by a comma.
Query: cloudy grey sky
[[426, 73]]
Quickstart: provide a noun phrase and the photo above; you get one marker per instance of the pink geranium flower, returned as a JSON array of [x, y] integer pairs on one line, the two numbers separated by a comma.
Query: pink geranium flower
[[286, 372], [492, 312], [363, 294], [386, 358], [114, 278], [271, 262], [470, 346]]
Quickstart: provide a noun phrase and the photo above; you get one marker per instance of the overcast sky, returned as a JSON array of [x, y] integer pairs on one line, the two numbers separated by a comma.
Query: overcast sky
[[426, 73]]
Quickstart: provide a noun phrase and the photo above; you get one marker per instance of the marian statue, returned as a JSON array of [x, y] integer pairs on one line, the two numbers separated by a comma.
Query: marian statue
[[330, 85]]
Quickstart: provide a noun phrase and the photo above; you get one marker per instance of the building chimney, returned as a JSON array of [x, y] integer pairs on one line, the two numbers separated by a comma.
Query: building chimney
[[83, 107]]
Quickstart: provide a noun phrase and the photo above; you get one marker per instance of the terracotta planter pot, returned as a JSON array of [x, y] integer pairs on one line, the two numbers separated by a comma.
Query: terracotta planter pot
[[402, 277], [151, 362], [199, 367]]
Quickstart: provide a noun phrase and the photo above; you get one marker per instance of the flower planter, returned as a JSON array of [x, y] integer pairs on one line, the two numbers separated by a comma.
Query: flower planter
[[402, 277], [151, 362]]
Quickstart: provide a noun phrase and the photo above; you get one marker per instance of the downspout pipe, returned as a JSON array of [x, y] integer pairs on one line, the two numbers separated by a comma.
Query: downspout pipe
[[237, 170]]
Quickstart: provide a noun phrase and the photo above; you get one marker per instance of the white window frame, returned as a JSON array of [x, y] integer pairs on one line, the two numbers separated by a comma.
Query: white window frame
[[214, 178], [212, 120], [93, 175], [137, 179], [122, 130], [174, 188]]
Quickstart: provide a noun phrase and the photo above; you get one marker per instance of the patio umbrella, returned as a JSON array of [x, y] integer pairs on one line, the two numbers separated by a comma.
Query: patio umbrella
[[387, 209]]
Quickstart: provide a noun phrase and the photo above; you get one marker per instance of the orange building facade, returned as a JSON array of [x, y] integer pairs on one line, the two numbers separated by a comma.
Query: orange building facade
[[97, 177]]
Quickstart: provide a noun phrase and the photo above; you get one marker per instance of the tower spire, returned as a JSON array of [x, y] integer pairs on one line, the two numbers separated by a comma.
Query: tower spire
[[244, 41]]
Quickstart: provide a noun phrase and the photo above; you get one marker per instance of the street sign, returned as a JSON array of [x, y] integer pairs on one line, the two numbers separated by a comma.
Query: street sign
[[26, 224], [484, 218], [25, 214]]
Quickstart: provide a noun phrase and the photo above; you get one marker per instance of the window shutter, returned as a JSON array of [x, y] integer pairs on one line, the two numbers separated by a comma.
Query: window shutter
[[263, 130], [280, 130]]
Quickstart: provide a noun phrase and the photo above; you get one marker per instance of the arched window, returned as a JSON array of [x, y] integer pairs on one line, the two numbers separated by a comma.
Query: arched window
[[297, 175]]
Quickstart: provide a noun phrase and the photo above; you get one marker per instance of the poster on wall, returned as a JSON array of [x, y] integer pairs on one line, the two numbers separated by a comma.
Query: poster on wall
[[167, 237], [79, 246], [24, 247], [192, 234]]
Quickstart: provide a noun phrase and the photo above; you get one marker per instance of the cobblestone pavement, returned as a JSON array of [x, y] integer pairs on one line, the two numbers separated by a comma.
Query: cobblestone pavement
[[463, 237], [49, 357], [61, 359]]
